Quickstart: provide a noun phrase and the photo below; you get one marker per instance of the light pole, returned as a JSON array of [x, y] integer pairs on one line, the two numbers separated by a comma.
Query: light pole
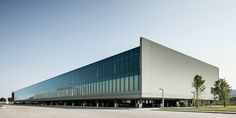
[[162, 92]]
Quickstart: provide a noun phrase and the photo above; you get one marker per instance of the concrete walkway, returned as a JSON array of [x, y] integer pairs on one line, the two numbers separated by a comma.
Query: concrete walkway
[[12, 111], [197, 111]]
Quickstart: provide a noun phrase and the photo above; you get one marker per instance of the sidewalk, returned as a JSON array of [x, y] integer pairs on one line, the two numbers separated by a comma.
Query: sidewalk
[[196, 111]]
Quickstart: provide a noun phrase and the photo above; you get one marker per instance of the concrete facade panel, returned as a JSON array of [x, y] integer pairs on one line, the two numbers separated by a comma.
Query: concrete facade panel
[[165, 68]]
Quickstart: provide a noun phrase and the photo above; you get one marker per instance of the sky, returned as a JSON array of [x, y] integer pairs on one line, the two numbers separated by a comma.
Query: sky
[[40, 39]]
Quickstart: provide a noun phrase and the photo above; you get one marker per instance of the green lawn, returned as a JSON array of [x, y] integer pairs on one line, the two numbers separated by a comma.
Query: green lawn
[[217, 108]]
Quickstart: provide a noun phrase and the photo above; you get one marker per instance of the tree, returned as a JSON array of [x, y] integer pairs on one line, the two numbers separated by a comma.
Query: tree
[[2, 100], [198, 84], [10, 99], [223, 90]]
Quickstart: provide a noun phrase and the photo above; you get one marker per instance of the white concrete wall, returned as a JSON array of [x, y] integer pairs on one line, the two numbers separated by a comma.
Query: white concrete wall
[[173, 71]]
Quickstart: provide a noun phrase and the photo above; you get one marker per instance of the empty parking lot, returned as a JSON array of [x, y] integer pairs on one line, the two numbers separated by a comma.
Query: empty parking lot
[[12, 111]]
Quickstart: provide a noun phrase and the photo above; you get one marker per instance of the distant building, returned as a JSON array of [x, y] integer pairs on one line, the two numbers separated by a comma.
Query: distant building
[[233, 93], [131, 78]]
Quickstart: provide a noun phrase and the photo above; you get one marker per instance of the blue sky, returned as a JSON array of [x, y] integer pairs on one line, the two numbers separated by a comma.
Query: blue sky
[[44, 38]]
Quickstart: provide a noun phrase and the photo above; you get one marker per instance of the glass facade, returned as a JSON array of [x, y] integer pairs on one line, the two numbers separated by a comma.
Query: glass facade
[[116, 75]]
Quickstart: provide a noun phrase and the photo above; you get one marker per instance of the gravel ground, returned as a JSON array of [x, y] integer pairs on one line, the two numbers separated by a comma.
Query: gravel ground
[[12, 111]]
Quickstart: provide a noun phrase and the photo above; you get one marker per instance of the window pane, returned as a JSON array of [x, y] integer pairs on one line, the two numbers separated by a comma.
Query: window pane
[[118, 85], [110, 86], [100, 87], [131, 83], [126, 84], [95, 88], [103, 87], [122, 83], [88, 89], [114, 85], [107, 87], [136, 83]]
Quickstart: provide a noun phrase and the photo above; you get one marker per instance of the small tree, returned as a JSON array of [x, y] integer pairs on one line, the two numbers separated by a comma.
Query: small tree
[[10, 99], [198, 84], [2, 100], [223, 90]]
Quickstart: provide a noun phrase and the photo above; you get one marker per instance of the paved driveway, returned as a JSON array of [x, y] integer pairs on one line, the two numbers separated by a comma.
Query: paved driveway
[[11, 111]]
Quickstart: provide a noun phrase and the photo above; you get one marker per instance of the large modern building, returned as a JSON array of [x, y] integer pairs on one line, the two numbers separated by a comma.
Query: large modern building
[[132, 78]]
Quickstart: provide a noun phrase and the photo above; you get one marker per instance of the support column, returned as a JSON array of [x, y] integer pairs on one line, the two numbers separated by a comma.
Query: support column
[[83, 104], [64, 103], [153, 103], [139, 103], [73, 104], [97, 104], [115, 104]]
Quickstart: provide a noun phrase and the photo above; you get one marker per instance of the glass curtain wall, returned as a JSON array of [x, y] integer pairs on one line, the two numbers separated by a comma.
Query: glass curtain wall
[[118, 74]]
